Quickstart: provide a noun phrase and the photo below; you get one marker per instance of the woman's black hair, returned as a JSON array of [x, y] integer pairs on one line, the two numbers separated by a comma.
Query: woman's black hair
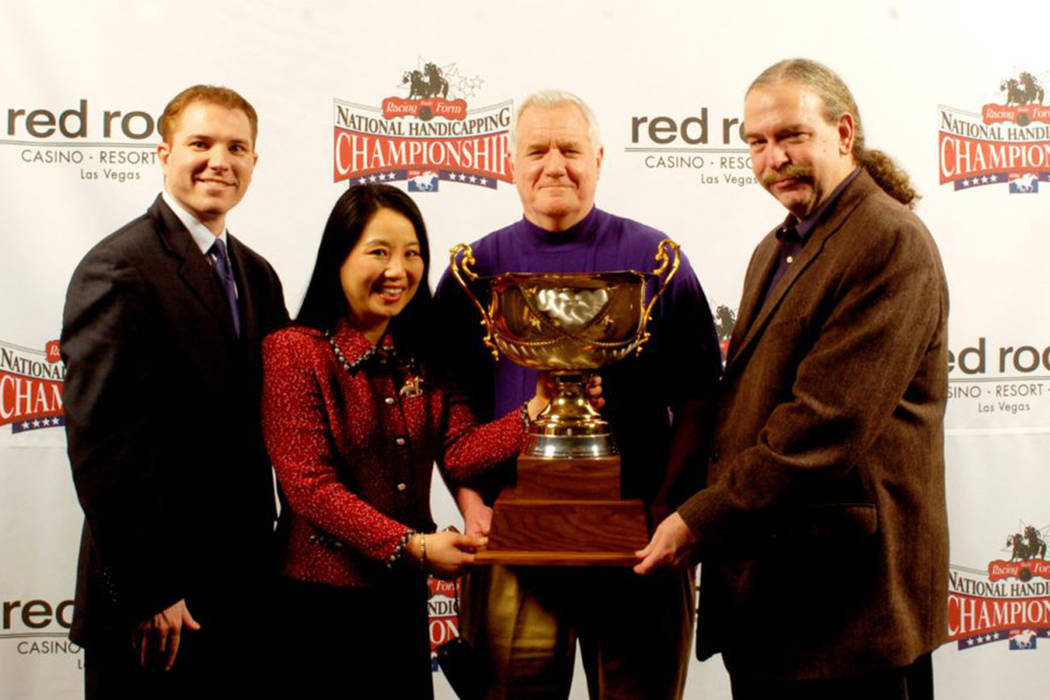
[[325, 302]]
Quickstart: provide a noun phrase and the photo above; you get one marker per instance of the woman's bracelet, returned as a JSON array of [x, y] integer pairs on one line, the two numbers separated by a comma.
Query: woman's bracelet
[[423, 553]]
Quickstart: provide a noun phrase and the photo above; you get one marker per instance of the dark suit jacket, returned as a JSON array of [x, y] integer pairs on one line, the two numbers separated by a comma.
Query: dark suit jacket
[[162, 420], [823, 531]]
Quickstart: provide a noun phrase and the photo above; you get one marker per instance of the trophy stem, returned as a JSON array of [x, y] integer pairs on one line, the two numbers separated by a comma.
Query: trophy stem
[[569, 426]]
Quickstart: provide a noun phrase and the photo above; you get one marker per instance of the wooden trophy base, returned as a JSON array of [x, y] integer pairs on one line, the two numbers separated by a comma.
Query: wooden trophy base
[[565, 512]]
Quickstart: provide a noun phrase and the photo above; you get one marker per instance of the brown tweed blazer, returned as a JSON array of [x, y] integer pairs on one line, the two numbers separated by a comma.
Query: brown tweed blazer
[[822, 530]]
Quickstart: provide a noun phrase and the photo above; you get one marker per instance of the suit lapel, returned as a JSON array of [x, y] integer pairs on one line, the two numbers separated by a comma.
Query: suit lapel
[[854, 193], [764, 264], [194, 269]]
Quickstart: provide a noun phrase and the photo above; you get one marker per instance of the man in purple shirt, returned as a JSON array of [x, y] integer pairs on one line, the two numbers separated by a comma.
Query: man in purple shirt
[[634, 632]]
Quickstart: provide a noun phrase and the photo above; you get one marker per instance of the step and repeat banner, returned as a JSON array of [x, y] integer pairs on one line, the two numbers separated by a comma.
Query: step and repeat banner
[[420, 95]]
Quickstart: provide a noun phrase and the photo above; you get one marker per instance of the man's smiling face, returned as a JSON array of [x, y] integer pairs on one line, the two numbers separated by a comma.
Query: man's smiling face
[[555, 166], [208, 161]]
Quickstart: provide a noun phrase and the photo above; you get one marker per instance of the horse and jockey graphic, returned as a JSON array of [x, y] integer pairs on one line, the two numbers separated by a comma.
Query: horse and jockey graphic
[[429, 82], [1023, 102], [433, 91], [1023, 90], [1027, 546]]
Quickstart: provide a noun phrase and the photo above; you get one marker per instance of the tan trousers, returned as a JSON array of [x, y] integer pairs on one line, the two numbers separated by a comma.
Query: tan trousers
[[634, 632]]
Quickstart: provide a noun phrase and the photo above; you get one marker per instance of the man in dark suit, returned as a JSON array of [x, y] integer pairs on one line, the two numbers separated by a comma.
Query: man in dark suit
[[161, 340], [822, 529]]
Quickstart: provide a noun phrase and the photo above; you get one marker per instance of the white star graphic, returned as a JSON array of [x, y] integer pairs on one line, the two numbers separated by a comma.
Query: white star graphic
[[363, 181], [25, 425], [984, 180], [473, 179], [965, 183], [483, 181], [993, 178], [36, 423]]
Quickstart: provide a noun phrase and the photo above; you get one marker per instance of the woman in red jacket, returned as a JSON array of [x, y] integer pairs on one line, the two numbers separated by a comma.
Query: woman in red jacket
[[354, 417]]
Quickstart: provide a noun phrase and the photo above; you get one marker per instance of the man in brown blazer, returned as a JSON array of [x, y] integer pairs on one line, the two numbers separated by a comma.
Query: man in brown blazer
[[822, 530]]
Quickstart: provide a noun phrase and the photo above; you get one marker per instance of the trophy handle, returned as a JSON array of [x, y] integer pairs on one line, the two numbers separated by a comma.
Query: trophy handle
[[459, 268], [667, 266]]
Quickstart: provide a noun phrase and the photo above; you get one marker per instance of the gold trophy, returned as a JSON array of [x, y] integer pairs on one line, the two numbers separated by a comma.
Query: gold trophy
[[565, 507]]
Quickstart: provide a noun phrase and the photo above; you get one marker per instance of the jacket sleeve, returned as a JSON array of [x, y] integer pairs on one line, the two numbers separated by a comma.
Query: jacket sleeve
[[299, 441], [469, 449], [853, 376], [121, 469]]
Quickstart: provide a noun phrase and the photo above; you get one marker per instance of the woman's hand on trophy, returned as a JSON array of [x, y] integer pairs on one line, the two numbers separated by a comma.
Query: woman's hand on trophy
[[545, 389], [446, 554], [477, 517], [669, 547]]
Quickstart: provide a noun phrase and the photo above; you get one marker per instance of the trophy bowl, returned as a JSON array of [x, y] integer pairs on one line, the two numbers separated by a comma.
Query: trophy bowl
[[567, 321], [571, 325]]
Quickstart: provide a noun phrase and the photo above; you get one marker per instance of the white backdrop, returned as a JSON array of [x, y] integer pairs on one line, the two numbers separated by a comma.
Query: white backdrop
[[82, 84]]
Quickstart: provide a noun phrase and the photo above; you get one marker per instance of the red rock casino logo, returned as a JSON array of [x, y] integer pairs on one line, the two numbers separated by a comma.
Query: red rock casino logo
[[32, 627], [1008, 142], [30, 387], [93, 144], [426, 135], [1008, 602]]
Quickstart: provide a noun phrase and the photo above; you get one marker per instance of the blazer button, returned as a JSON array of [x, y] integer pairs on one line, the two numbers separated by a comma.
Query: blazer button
[[402, 486], [712, 458], [389, 401], [400, 441]]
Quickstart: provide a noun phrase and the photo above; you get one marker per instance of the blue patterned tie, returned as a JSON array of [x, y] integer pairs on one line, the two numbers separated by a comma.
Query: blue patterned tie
[[225, 272]]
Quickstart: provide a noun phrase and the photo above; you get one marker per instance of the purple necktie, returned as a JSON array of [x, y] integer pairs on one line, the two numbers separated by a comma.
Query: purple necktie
[[225, 272]]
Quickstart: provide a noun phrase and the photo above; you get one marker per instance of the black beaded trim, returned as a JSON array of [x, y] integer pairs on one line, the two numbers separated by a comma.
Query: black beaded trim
[[408, 361], [325, 540], [399, 551], [351, 368], [525, 415]]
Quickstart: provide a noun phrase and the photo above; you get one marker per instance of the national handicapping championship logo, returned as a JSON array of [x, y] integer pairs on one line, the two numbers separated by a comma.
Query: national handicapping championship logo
[[443, 615], [1007, 602], [1007, 142], [31, 387], [424, 135]]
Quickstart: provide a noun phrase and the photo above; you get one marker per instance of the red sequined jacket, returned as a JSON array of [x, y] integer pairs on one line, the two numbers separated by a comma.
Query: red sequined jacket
[[353, 431]]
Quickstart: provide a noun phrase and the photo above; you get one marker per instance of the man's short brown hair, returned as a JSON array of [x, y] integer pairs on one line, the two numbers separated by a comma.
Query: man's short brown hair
[[212, 94]]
